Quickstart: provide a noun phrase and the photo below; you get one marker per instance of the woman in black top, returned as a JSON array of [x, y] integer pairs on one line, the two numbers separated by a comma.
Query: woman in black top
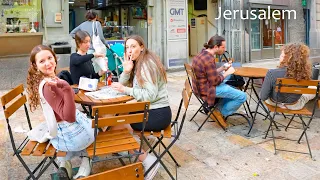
[[80, 62]]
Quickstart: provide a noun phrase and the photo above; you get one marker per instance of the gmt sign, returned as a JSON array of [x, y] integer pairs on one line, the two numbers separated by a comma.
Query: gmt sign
[[176, 11]]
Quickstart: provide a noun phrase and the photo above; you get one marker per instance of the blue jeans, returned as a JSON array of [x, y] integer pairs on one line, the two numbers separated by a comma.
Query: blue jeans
[[231, 99]]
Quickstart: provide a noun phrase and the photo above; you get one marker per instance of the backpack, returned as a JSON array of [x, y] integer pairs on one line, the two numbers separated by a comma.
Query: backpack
[[65, 75]]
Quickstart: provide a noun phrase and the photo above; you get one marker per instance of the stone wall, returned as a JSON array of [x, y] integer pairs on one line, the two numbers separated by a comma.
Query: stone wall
[[296, 27]]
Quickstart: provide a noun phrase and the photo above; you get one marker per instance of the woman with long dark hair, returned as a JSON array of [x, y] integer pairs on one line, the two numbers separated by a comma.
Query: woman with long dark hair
[[81, 62], [144, 77]]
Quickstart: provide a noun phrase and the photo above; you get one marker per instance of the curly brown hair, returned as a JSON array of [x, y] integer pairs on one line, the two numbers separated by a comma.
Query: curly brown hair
[[296, 59], [35, 77], [148, 59]]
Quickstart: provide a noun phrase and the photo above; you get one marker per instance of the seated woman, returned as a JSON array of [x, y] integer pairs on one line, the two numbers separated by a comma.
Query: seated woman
[[144, 78], [80, 62], [69, 130], [295, 64]]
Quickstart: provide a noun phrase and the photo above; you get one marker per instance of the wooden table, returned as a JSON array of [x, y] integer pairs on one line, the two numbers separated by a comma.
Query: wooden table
[[85, 100], [251, 72]]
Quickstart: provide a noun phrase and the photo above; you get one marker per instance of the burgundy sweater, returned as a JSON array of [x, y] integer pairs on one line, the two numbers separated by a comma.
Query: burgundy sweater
[[61, 99]]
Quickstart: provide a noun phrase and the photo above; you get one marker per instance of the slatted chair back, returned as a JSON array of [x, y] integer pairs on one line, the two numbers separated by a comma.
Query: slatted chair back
[[113, 115], [119, 114], [12, 101], [190, 72], [128, 172], [286, 85], [192, 76]]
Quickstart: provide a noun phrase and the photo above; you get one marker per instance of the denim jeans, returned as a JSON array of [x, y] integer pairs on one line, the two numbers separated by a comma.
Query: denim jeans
[[75, 136], [231, 99]]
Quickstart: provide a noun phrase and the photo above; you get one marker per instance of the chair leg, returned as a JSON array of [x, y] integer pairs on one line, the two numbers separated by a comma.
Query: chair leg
[[46, 167], [271, 121], [195, 113], [305, 127], [254, 118], [174, 160], [158, 158], [205, 121], [289, 122], [273, 138], [52, 160]]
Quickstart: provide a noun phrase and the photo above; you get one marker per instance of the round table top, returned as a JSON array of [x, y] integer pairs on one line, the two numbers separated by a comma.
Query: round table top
[[81, 98], [251, 72]]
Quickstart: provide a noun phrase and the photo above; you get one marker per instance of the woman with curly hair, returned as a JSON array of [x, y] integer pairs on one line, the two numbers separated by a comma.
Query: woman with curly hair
[[295, 64], [69, 130]]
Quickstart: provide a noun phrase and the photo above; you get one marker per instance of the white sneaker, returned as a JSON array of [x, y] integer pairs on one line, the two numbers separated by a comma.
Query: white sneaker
[[65, 170], [85, 168], [147, 164]]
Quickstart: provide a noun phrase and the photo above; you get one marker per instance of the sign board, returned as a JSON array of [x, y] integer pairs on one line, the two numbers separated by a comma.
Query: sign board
[[177, 19], [58, 18], [177, 33]]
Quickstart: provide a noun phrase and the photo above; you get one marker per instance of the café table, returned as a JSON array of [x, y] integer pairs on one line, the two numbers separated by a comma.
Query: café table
[[251, 73], [88, 101]]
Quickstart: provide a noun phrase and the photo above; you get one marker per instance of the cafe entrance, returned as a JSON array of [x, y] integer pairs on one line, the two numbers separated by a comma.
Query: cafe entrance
[[267, 37]]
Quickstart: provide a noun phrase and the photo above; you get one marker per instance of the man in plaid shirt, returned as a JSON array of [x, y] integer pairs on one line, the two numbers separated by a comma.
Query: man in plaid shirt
[[210, 80]]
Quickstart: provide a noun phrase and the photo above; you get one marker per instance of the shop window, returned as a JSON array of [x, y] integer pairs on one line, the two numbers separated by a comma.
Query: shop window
[[255, 34]]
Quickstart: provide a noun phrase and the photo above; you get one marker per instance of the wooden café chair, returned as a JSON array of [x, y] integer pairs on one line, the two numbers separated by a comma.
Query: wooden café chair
[[285, 85], [11, 102], [129, 172]]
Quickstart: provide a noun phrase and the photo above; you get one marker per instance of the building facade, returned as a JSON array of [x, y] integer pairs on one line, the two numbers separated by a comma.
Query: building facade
[[259, 39]]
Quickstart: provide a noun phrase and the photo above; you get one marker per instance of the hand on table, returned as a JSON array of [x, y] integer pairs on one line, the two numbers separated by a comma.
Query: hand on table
[[118, 86]]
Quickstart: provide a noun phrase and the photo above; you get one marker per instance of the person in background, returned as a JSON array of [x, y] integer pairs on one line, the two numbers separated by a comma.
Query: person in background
[[295, 64], [144, 78], [69, 129], [80, 62], [210, 80], [87, 26]]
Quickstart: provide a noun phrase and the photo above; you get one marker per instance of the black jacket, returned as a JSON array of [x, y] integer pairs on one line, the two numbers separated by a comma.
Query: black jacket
[[81, 65]]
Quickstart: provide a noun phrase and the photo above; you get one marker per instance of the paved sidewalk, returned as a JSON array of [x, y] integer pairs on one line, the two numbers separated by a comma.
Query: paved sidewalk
[[209, 154]]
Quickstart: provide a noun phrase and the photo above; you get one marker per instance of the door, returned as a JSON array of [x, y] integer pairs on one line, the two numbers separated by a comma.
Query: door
[[267, 51], [273, 37]]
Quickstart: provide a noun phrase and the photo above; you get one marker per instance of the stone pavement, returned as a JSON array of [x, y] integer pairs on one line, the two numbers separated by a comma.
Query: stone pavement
[[209, 154]]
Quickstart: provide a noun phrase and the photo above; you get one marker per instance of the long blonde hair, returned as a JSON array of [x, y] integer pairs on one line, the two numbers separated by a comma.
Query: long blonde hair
[[296, 59], [148, 59], [35, 77]]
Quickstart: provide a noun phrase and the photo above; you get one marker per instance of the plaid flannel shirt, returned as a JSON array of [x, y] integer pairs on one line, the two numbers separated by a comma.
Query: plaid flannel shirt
[[208, 78]]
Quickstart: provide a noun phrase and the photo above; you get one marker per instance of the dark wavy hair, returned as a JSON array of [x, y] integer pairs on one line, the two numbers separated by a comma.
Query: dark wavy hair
[[35, 77], [214, 41], [296, 59], [90, 15], [79, 37], [148, 59]]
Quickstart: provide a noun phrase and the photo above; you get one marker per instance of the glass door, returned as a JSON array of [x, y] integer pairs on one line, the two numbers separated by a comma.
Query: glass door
[[267, 51], [273, 36], [279, 33]]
